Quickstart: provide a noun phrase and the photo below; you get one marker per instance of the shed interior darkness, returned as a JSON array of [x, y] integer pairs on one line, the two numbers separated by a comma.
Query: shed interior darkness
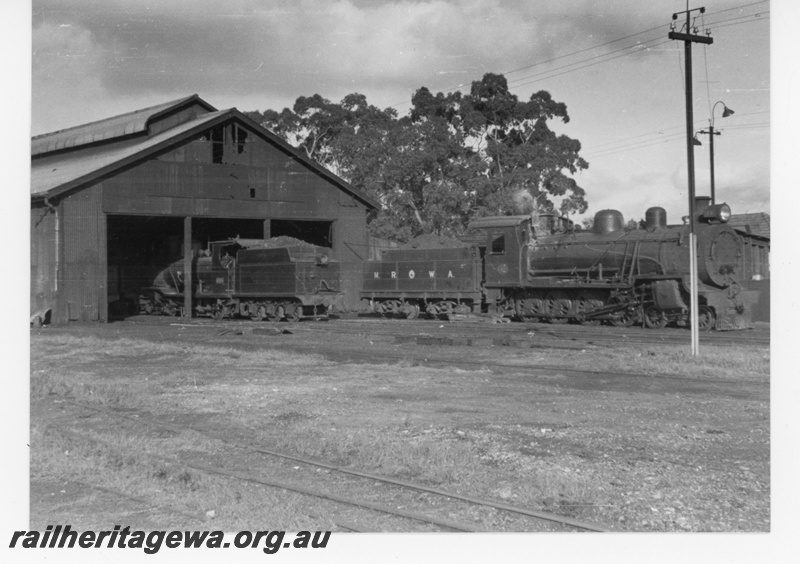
[[318, 233], [141, 246]]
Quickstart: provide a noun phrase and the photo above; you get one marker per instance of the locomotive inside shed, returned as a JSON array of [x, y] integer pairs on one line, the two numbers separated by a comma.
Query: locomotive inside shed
[[141, 246]]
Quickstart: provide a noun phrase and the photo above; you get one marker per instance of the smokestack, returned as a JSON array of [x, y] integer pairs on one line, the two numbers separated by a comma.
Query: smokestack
[[701, 203]]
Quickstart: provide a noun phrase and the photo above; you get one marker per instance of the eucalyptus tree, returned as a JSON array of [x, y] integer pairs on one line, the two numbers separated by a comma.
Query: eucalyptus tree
[[453, 157]]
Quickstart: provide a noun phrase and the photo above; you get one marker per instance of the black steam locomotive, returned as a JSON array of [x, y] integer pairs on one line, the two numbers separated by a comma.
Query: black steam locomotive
[[544, 268], [245, 277]]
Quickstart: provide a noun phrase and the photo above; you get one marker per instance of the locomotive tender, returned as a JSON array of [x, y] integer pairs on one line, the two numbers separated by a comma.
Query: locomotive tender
[[542, 268], [245, 277]]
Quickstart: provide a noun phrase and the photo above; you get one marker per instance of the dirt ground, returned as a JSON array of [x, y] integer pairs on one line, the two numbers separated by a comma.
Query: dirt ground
[[675, 449]]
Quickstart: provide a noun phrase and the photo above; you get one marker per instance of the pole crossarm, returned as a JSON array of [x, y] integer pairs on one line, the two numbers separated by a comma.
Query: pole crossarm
[[689, 37]]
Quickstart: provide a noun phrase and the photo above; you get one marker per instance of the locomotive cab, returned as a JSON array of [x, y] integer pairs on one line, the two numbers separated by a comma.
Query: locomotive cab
[[216, 276], [508, 240]]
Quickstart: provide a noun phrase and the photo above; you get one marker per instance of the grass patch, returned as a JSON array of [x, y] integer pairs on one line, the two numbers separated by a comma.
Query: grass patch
[[124, 466], [744, 363], [435, 459], [91, 349]]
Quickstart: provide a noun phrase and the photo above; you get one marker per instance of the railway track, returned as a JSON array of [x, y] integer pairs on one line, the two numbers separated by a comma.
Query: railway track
[[449, 356], [481, 331], [575, 333], [546, 521]]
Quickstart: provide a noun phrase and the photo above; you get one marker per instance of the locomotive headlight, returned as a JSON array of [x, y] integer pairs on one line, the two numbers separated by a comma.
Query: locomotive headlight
[[322, 259], [717, 213], [724, 213]]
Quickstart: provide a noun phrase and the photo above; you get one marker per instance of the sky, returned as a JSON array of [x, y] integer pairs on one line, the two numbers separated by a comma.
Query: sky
[[609, 61]]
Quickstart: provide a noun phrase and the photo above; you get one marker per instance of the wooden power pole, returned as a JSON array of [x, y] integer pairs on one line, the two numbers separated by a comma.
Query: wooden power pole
[[688, 38]]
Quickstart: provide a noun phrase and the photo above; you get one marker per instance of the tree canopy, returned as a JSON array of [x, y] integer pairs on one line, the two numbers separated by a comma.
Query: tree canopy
[[453, 157]]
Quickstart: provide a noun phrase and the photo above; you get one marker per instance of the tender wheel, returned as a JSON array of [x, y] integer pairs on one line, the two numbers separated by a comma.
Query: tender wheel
[[280, 312], [391, 308], [654, 318], [447, 309], [587, 301], [557, 306], [297, 313], [259, 314], [220, 311], [412, 311], [706, 320], [431, 310]]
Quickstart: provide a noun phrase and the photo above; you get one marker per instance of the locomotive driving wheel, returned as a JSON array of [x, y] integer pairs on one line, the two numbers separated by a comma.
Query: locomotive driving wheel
[[586, 302], [654, 318], [705, 318], [532, 308], [557, 306], [625, 317]]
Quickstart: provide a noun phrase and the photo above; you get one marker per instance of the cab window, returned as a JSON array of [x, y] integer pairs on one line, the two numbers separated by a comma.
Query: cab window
[[498, 243]]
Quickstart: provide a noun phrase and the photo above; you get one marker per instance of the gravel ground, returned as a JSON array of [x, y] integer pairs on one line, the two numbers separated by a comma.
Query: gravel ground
[[633, 453]]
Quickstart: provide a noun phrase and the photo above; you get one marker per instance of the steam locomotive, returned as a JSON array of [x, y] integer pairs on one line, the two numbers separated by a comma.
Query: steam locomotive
[[245, 277], [541, 267]]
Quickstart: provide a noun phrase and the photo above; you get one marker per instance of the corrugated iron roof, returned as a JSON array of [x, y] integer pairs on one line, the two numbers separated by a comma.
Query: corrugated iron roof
[[60, 172], [752, 223], [106, 129], [64, 171]]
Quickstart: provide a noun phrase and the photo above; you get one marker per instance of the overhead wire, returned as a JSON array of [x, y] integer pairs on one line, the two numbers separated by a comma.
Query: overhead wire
[[597, 59], [607, 151], [620, 145], [748, 18], [589, 64], [638, 47]]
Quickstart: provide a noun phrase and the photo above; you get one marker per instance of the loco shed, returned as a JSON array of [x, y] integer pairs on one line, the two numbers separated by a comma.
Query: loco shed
[[116, 201]]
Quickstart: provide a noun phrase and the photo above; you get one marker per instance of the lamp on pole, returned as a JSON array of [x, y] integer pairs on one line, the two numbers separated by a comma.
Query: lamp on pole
[[711, 133]]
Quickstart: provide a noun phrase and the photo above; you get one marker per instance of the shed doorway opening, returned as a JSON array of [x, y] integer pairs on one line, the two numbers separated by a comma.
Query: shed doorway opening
[[139, 247], [318, 233]]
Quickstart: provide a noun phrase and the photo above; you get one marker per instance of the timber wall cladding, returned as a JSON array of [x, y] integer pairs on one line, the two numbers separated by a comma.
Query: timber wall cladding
[[277, 186], [265, 183], [43, 261], [82, 295], [350, 245]]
